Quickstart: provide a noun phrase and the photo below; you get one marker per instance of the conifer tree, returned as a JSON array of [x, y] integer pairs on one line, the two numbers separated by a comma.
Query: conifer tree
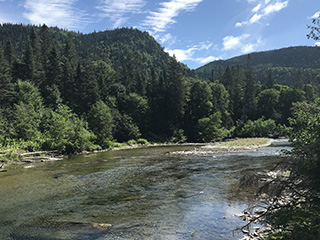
[[9, 54], [250, 92], [6, 85], [70, 63], [270, 80], [176, 94]]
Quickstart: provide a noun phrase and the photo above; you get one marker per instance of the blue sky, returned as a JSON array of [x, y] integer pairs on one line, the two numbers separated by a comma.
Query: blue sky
[[196, 31]]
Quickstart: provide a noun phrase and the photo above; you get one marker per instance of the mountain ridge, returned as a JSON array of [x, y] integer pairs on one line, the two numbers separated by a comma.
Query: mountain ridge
[[283, 62]]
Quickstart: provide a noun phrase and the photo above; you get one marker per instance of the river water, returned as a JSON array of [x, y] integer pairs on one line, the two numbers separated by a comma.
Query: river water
[[167, 192]]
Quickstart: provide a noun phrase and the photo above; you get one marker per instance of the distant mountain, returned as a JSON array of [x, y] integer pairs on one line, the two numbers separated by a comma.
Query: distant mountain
[[285, 64]]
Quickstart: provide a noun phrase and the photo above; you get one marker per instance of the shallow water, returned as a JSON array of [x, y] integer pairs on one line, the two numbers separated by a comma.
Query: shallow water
[[146, 193]]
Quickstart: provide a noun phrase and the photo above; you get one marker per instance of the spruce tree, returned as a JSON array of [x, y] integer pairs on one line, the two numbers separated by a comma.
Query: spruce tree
[[6, 85], [69, 66], [250, 91], [270, 80]]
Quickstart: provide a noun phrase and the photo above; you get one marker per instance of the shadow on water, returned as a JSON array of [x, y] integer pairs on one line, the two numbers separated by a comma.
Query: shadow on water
[[146, 193]]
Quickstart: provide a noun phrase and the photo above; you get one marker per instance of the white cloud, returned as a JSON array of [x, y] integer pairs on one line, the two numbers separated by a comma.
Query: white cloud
[[316, 15], [264, 9], [255, 18], [160, 20], [317, 44], [118, 10], [61, 13], [166, 38], [251, 47], [257, 8], [230, 42], [241, 43], [188, 54], [276, 7], [206, 59]]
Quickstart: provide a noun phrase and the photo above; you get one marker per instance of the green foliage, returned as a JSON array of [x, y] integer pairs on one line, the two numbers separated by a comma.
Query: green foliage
[[210, 128], [132, 142], [101, 122], [138, 108], [10, 155], [3, 128], [126, 87], [26, 122], [289, 96], [257, 128], [282, 62], [65, 132], [299, 216], [143, 141], [125, 128], [113, 144], [268, 101], [178, 136]]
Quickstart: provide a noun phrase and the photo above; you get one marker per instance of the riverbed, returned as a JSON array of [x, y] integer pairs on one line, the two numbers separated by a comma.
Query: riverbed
[[164, 192]]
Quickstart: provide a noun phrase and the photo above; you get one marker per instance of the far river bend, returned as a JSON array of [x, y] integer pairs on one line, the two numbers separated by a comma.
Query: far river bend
[[168, 192]]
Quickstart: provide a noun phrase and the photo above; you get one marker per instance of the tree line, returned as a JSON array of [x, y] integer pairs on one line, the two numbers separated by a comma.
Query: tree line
[[71, 91]]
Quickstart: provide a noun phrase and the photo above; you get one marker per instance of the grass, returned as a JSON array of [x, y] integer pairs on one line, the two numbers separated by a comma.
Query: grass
[[243, 142]]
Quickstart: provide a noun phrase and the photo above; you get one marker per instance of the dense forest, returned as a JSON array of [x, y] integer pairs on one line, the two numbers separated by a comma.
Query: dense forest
[[286, 65], [70, 91]]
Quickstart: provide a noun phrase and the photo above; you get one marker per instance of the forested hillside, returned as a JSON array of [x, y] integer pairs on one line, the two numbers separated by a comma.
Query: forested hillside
[[69, 91], [286, 64]]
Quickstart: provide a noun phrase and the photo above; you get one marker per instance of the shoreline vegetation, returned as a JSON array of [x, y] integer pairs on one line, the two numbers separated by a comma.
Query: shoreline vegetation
[[18, 156]]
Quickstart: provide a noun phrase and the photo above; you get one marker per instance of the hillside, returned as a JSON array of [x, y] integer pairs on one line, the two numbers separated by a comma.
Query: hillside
[[114, 46], [68, 91], [284, 63]]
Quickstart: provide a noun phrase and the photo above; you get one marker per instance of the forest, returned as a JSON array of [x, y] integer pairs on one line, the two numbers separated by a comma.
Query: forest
[[71, 92]]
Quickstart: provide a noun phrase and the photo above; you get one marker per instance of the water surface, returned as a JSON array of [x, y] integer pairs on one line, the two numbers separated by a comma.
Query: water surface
[[147, 193]]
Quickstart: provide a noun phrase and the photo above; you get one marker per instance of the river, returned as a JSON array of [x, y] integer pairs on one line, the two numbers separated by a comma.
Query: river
[[167, 192]]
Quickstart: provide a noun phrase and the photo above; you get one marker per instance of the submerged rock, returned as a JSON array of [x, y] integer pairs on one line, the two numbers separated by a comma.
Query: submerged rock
[[101, 225]]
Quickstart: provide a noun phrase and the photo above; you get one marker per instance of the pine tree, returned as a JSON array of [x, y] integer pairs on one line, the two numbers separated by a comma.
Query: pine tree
[[10, 54], [270, 80], [175, 94], [6, 85], [299, 82], [250, 91], [70, 63]]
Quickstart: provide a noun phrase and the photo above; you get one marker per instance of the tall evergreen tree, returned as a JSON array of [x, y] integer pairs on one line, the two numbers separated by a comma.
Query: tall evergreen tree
[[69, 66], [6, 85], [298, 80], [237, 100], [176, 94], [270, 80], [9, 54], [250, 91], [199, 106]]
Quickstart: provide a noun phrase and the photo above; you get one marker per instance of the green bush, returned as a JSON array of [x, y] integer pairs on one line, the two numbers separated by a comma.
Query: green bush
[[10, 154], [143, 141], [257, 128], [132, 142], [66, 132], [210, 128], [179, 136], [113, 144]]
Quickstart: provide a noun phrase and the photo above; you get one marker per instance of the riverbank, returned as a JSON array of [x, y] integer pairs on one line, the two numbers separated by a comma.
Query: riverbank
[[233, 145]]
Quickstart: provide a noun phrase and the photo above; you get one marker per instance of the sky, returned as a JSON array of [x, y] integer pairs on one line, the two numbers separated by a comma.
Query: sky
[[195, 31]]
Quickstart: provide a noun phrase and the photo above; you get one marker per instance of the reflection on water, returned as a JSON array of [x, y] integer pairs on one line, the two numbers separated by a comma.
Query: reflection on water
[[143, 193]]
